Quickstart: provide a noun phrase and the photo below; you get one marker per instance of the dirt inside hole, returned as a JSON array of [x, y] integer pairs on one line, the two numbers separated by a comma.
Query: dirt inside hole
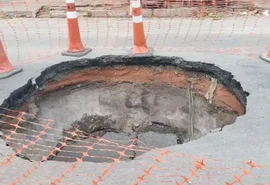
[[111, 117], [115, 113]]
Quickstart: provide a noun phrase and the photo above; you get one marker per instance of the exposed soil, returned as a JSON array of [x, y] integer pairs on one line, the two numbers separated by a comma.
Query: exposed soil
[[116, 108]]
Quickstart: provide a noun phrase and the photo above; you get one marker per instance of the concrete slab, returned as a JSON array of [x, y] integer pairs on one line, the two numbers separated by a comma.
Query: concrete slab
[[147, 54], [20, 7], [77, 54]]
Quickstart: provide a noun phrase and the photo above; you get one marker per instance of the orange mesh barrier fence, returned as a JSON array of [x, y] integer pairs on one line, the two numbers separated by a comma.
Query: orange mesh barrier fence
[[37, 31], [216, 26], [38, 143]]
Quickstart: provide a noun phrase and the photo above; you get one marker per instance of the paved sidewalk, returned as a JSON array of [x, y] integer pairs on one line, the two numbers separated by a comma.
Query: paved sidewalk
[[115, 8]]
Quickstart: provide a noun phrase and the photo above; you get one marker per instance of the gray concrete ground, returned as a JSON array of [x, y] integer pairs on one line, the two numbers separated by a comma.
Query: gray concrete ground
[[240, 35], [232, 44]]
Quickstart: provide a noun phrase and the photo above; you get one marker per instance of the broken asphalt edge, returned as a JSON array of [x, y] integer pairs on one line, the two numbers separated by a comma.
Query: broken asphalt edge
[[55, 72]]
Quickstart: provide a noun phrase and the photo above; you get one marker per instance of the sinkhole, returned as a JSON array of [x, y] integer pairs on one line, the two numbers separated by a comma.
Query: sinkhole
[[115, 108]]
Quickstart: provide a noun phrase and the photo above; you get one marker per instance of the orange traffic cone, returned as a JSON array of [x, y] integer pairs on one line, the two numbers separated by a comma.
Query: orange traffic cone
[[6, 69], [140, 47], [76, 47], [266, 56]]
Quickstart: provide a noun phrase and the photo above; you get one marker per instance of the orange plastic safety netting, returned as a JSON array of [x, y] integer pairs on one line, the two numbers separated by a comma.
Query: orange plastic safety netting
[[94, 160], [36, 30], [217, 26]]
